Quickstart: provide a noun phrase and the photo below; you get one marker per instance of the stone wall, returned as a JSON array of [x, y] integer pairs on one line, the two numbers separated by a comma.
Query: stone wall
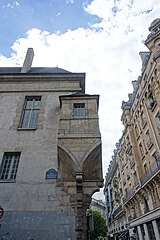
[[33, 225]]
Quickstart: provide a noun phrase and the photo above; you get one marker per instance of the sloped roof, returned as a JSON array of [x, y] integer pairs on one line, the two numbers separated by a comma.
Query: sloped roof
[[34, 70], [79, 94]]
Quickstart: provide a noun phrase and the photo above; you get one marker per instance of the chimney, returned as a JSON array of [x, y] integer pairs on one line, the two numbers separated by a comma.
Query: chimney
[[28, 61]]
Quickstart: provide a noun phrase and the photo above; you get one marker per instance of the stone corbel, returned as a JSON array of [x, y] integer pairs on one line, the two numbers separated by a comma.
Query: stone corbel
[[79, 178]]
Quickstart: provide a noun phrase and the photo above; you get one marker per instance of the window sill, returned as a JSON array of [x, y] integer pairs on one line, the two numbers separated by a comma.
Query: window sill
[[138, 137], [26, 129], [79, 117], [150, 146], [144, 124], [7, 181], [142, 157], [153, 107]]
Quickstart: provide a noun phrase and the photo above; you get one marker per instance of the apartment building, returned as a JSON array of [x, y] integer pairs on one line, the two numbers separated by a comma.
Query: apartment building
[[50, 152], [136, 164], [98, 205]]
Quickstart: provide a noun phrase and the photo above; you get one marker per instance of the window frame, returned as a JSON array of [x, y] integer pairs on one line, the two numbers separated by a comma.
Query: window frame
[[143, 119], [79, 110], [141, 148], [157, 116], [9, 166], [149, 139], [30, 122]]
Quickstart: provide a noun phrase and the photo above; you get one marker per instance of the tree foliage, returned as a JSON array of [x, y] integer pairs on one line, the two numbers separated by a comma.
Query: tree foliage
[[100, 228]]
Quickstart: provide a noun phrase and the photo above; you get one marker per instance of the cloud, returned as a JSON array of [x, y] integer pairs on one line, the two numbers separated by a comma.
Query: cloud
[[58, 14], [107, 51], [70, 1], [14, 5]]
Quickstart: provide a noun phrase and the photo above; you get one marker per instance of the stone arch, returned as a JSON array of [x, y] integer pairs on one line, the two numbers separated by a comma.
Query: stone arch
[[66, 165], [92, 167], [92, 147]]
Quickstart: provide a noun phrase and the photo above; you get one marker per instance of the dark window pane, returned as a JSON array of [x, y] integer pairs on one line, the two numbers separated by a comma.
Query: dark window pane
[[9, 166]]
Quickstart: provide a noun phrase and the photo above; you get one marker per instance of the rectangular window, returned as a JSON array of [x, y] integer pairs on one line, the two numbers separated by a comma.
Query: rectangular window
[[145, 168], [158, 121], [136, 183], [79, 110], [152, 100], [141, 149], [149, 139], [30, 112], [156, 157], [137, 131], [143, 119], [9, 166]]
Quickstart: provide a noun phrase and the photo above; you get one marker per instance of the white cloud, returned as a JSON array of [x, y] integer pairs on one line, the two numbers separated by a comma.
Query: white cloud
[[108, 52], [13, 5], [58, 14], [70, 1]]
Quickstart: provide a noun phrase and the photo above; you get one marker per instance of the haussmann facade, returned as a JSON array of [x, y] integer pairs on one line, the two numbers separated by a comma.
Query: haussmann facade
[[132, 187], [50, 152]]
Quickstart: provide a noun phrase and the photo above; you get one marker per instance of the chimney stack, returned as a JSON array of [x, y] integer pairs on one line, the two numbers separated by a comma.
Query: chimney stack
[[28, 61]]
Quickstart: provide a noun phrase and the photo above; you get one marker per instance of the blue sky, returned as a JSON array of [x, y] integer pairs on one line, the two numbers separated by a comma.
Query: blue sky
[[102, 38], [16, 17]]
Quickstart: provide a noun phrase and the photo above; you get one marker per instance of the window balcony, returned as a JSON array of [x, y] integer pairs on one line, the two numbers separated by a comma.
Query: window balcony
[[118, 210], [129, 195], [152, 102], [128, 176], [149, 143], [130, 218], [156, 54], [155, 168], [144, 121], [117, 196], [129, 146]]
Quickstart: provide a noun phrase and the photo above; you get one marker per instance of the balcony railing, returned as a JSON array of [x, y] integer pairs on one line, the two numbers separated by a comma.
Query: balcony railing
[[118, 210], [155, 167], [128, 195], [156, 54], [144, 121], [149, 142]]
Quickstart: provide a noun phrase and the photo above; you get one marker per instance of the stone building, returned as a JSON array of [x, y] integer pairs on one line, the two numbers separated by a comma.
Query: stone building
[[136, 162], [50, 152], [99, 206]]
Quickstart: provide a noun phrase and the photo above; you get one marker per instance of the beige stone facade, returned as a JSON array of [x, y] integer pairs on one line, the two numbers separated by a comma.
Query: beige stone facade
[[98, 205], [50, 152], [132, 185]]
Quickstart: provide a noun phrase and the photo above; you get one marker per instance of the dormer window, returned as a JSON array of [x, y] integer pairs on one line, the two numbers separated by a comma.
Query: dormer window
[[79, 109]]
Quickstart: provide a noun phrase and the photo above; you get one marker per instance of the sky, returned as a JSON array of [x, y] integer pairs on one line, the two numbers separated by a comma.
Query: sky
[[102, 38]]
